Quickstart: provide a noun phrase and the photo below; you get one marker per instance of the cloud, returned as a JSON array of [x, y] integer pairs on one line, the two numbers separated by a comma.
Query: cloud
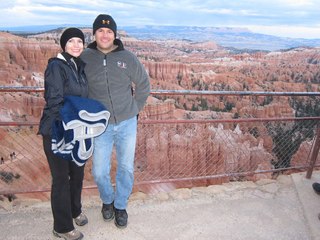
[[298, 3], [277, 14]]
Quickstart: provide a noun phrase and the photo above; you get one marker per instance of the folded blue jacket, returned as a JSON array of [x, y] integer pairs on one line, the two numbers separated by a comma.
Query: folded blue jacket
[[82, 119]]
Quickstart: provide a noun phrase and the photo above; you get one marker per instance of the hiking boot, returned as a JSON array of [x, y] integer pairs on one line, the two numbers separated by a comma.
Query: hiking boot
[[107, 212], [72, 235], [81, 219], [316, 187], [121, 218]]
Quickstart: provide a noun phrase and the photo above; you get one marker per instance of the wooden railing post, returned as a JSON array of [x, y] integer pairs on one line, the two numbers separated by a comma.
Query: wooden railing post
[[314, 153]]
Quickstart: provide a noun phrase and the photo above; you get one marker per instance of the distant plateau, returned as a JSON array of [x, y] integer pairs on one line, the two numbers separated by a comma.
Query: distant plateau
[[239, 38]]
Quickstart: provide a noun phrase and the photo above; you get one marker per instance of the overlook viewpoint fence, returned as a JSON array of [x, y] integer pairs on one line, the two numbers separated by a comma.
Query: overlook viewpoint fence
[[193, 151]]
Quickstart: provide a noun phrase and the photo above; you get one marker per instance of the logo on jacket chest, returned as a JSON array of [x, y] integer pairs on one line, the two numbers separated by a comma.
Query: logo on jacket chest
[[122, 65]]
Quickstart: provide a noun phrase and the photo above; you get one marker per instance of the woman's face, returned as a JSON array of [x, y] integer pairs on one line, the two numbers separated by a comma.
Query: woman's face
[[74, 46]]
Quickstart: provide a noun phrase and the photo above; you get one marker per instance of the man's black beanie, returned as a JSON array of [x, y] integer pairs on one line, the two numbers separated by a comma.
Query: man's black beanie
[[70, 33], [104, 21]]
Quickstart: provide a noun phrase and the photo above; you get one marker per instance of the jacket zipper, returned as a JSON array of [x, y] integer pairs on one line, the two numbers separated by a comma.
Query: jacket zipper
[[105, 65], [105, 60]]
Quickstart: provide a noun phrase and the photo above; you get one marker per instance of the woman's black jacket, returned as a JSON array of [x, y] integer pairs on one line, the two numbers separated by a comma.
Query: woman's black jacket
[[63, 76]]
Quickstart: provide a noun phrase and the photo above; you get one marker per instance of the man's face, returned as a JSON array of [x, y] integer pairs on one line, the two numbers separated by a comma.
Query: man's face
[[104, 38]]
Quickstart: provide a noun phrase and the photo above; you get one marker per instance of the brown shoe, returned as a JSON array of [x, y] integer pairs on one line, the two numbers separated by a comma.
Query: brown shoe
[[72, 235], [81, 219]]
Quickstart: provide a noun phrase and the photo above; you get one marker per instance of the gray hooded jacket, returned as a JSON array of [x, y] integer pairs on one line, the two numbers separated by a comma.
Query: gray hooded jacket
[[112, 78]]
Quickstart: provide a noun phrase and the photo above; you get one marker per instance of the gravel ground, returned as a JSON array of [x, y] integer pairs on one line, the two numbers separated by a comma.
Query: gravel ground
[[284, 209]]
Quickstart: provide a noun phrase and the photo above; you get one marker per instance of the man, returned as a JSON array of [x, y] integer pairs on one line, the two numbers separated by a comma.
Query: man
[[113, 72]]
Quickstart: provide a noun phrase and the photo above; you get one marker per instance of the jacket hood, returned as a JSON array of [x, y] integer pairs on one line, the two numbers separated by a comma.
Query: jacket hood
[[66, 58]]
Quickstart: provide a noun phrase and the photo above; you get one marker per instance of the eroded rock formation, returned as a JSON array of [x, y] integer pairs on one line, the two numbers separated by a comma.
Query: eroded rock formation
[[181, 150]]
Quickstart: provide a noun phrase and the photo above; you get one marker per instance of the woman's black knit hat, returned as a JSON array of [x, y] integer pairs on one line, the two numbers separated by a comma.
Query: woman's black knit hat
[[70, 33]]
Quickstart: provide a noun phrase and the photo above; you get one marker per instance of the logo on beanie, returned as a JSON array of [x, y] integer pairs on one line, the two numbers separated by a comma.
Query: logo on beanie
[[106, 22]]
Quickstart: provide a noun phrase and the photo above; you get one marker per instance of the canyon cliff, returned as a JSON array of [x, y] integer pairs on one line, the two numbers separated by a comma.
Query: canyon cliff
[[180, 65]]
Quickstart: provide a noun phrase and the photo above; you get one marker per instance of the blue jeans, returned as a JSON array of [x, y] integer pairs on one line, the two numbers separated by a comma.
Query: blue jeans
[[123, 137]]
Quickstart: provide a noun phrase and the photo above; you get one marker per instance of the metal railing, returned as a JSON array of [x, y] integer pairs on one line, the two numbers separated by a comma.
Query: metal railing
[[181, 152]]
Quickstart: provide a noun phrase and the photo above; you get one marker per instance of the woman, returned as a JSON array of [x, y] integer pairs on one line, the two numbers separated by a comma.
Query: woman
[[64, 76]]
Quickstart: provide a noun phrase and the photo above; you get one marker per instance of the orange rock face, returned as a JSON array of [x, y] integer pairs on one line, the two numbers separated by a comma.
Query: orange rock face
[[182, 65]]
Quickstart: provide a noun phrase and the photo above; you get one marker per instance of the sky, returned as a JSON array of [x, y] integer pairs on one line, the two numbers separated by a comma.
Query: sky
[[284, 18]]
